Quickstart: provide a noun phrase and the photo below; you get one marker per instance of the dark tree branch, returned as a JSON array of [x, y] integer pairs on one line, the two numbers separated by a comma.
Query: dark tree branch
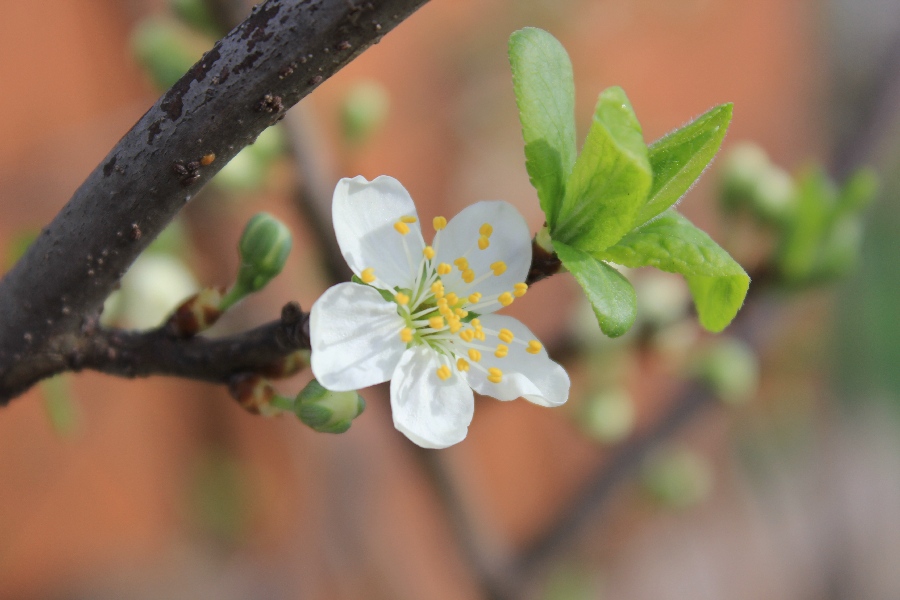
[[278, 55]]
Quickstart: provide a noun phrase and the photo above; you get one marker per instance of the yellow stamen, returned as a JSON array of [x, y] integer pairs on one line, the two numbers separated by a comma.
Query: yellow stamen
[[486, 230], [495, 375], [436, 322], [452, 299], [446, 313], [401, 227], [437, 288], [505, 299], [474, 354], [461, 263], [519, 289], [406, 335], [476, 323], [428, 251], [439, 223], [468, 335], [505, 335], [479, 335], [444, 373], [408, 219], [501, 351], [462, 364], [444, 269], [461, 313], [442, 302], [483, 242], [474, 298], [455, 324], [401, 298], [534, 347], [468, 276], [367, 275], [499, 268]]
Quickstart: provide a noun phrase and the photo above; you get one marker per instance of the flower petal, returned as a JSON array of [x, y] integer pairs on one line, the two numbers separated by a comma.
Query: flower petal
[[430, 412], [532, 376], [354, 335], [509, 242], [364, 215]]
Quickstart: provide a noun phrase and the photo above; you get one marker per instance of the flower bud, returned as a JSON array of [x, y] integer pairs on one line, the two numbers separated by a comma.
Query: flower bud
[[364, 109], [749, 180], [264, 248], [731, 368], [327, 411], [609, 416], [677, 479]]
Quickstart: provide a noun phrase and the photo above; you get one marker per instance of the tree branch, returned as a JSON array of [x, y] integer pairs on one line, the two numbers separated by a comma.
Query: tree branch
[[278, 55]]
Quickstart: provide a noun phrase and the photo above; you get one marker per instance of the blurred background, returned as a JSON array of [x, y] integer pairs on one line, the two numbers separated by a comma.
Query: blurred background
[[761, 463]]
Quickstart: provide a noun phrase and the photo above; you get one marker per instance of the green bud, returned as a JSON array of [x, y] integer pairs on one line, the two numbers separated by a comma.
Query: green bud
[[677, 479], [166, 50], [731, 368], [327, 411], [264, 248], [751, 181], [363, 111], [609, 416]]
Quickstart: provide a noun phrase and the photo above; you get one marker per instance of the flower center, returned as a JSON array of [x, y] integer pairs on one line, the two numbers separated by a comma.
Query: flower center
[[446, 321]]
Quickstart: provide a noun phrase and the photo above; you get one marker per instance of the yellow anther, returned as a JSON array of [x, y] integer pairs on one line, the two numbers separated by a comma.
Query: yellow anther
[[428, 252], [437, 288], [444, 269], [408, 219], [495, 375], [505, 299], [461, 313], [446, 313], [474, 298], [486, 230], [442, 302], [455, 324], [519, 289], [401, 298], [452, 299], [476, 323], [479, 335], [461, 263], [436, 322], [483, 242], [499, 268], [444, 373], [462, 364], [505, 335], [468, 335], [501, 351], [406, 335], [401, 227], [439, 223], [468, 276], [534, 347], [367, 275], [474, 354]]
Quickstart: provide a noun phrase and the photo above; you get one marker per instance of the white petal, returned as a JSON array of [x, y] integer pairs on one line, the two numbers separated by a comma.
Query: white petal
[[510, 242], [430, 412], [532, 376], [364, 214], [354, 334]]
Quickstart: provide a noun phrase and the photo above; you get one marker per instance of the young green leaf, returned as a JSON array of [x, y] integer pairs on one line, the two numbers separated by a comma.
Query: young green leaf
[[610, 181], [799, 249], [858, 191], [679, 158], [610, 294], [672, 243], [545, 95]]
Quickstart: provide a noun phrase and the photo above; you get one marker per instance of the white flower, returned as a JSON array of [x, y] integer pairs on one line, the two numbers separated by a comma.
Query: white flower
[[409, 323]]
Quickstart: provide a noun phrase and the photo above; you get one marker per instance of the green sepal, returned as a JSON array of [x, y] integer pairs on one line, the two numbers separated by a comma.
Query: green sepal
[[545, 95], [679, 158], [610, 181], [611, 295], [671, 243], [326, 411]]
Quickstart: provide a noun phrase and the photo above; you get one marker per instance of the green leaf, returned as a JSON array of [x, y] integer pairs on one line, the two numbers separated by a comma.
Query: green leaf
[[610, 181], [672, 243], [610, 294], [679, 158], [545, 95], [804, 234], [858, 192]]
